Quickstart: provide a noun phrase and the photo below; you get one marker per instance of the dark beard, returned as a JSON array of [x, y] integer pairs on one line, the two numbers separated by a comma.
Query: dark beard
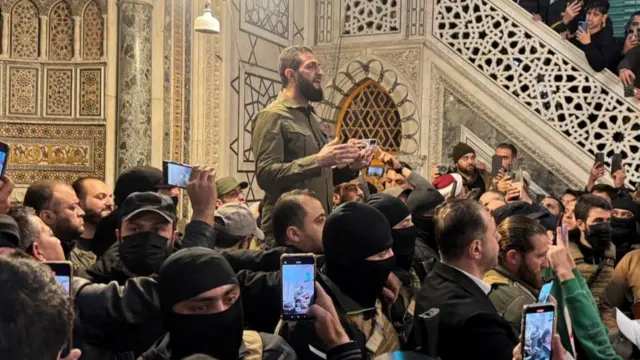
[[92, 217], [529, 277], [469, 174], [307, 90]]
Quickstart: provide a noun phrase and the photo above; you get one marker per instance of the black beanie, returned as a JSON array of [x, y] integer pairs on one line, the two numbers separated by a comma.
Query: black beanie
[[392, 208], [190, 272], [460, 150], [353, 232], [136, 179]]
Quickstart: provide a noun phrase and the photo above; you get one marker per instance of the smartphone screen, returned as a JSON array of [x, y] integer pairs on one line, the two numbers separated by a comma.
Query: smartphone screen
[[600, 159], [375, 171], [176, 174], [298, 285], [538, 332], [583, 25], [4, 155], [63, 272], [544, 292], [496, 165], [616, 163]]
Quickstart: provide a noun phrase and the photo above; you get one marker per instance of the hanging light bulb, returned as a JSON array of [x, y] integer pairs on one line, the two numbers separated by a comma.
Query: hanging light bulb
[[206, 23]]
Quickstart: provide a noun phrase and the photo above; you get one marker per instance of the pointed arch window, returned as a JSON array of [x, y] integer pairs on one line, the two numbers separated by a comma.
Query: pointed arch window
[[24, 30], [93, 28], [369, 112], [61, 32]]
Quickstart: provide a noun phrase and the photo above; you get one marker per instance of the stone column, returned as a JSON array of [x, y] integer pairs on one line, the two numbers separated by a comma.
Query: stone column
[[105, 38], [6, 21], [77, 39], [44, 35], [134, 84]]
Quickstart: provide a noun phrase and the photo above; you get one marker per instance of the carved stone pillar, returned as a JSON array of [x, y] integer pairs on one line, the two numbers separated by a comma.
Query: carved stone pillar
[[77, 39], [134, 83], [105, 39], [44, 34], [6, 20]]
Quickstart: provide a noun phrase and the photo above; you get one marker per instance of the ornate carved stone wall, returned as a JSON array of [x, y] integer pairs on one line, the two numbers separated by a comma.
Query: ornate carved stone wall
[[52, 89]]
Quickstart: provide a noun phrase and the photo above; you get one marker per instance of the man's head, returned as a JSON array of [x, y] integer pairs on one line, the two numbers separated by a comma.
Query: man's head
[[299, 69], [236, 226], [96, 200], [230, 191], [9, 234], [36, 238], [593, 217], [142, 179], [35, 311], [357, 241], [147, 231], [394, 179], [553, 204], [523, 248], [597, 12], [199, 301], [402, 229], [570, 196], [490, 196], [509, 154], [623, 219], [58, 206], [466, 233], [633, 24], [298, 219], [604, 191], [464, 156], [349, 191]]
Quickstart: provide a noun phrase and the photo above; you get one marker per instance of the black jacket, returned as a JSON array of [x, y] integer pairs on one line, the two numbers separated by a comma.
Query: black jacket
[[601, 53], [632, 62], [467, 317], [273, 348]]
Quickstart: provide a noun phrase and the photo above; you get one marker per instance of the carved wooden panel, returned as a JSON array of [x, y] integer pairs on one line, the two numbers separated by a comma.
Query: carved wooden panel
[[370, 17], [90, 92]]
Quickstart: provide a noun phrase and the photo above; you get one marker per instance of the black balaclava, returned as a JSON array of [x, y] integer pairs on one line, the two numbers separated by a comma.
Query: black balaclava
[[352, 233], [143, 253], [189, 273], [421, 201], [404, 240], [624, 230], [599, 237]]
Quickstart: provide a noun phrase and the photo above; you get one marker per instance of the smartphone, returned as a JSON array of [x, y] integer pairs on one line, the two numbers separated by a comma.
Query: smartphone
[[63, 272], [369, 143], [600, 159], [544, 292], [538, 325], [298, 285], [629, 90], [4, 157], [616, 162], [176, 174], [496, 165], [376, 171], [583, 25]]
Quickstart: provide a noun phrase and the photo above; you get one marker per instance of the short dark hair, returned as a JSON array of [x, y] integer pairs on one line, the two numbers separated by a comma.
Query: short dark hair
[[600, 5], [78, 187], [604, 188], [587, 202], [290, 59], [557, 200], [289, 212], [457, 224], [39, 195], [29, 232], [35, 311], [515, 234], [510, 147], [576, 193]]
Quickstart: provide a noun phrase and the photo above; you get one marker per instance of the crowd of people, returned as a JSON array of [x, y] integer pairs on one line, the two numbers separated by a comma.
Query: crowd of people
[[440, 267]]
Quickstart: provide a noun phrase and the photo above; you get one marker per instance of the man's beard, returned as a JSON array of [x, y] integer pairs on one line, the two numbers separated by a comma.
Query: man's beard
[[529, 277], [92, 217], [307, 90]]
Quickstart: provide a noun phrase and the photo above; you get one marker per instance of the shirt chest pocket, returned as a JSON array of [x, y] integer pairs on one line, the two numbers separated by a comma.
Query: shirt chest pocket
[[299, 142]]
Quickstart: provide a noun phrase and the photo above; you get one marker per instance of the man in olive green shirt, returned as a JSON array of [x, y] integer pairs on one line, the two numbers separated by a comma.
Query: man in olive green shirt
[[291, 150]]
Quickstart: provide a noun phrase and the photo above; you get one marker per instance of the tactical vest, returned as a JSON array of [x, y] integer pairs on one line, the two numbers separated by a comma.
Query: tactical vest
[[597, 276], [379, 333], [253, 343]]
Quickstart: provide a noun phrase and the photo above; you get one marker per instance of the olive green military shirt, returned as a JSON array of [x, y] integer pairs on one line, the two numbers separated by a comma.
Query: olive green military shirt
[[286, 138]]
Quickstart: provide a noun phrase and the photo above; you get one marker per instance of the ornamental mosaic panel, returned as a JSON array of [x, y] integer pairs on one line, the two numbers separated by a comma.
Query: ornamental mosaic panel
[[370, 17], [90, 92], [61, 32], [269, 15], [58, 152], [92, 32], [59, 92], [370, 113], [550, 84], [23, 91], [24, 30]]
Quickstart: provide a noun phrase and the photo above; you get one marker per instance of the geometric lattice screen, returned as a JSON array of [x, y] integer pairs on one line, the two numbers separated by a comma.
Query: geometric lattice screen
[[370, 113], [579, 106]]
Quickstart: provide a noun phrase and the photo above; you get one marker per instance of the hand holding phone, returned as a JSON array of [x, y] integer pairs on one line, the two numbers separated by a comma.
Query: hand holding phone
[[4, 158], [538, 327], [298, 285], [63, 272], [545, 291], [175, 174], [583, 25]]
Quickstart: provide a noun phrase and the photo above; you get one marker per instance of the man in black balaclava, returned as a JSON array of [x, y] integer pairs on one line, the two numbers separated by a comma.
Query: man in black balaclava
[[201, 308], [357, 242], [404, 239], [145, 239], [623, 223], [135, 179], [422, 203]]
